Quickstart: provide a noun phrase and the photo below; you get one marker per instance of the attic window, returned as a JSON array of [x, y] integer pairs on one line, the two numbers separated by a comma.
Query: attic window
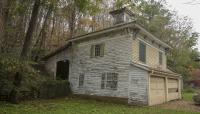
[[97, 50]]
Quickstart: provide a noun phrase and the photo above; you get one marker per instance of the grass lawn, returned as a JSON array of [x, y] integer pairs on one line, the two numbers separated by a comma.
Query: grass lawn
[[80, 106], [188, 96]]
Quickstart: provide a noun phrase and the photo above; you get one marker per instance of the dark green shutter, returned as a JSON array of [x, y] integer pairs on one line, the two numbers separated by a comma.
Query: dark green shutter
[[92, 51], [142, 52], [103, 79], [102, 49], [160, 58]]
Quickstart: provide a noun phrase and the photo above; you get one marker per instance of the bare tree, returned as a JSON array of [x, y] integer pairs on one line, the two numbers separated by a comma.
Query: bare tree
[[29, 35]]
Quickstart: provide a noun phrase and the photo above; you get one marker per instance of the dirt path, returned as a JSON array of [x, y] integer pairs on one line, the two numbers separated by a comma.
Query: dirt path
[[181, 105]]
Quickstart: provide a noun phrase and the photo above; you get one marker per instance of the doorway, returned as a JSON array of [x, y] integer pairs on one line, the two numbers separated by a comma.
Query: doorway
[[62, 71]]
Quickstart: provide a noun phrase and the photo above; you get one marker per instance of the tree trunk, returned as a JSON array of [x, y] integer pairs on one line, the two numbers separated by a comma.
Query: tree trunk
[[29, 35], [42, 35], [72, 21], [1, 21], [5, 5]]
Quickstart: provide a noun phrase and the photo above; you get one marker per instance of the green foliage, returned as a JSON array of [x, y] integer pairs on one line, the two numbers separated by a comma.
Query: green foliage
[[9, 66], [79, 106], [188, 96], [189, 90], [182, 61], [54, 89]]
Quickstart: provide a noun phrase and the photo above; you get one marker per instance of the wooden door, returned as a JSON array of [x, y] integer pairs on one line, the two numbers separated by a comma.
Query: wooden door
[[157, 90]]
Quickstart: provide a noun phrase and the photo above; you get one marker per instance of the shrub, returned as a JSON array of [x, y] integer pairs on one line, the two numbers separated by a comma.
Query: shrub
[[54, 89], [18, 76], [189, 90]]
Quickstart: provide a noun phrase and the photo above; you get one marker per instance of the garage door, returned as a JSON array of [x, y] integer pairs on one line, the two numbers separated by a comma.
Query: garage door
[[173, 89], [157, 90]]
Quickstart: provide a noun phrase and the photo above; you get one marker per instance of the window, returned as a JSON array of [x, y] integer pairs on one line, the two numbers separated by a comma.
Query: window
[[172, 90], [97, 50], [142, 52], [81, 80], [109, 81], [160, 58]]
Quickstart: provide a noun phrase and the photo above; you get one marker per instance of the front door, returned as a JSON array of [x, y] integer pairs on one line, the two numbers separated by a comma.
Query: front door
[[62, 72]]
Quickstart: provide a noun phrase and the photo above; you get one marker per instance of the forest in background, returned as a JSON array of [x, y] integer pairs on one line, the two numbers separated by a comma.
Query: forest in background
[[29, 29]]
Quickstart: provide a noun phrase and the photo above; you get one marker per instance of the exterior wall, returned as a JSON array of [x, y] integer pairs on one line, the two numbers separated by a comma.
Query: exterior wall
[[117, 57], [152, 54], [138, 86]]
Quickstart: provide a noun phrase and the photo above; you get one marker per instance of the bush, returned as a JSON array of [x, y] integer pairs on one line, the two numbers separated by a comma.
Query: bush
[[189, 90], [196, 99], [54, 89], [19, 77]]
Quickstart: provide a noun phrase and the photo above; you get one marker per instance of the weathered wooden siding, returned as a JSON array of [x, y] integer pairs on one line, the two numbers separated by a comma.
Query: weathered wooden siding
[[152, 54], [138, 86], [117, 57]]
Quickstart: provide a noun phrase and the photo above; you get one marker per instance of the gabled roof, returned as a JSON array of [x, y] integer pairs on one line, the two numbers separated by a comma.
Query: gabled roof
[[107, 30]]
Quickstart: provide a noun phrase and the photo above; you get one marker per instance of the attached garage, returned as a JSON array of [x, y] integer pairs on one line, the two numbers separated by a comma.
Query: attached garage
[[163, 87], [157, 90], [173, 89], [160, 86]]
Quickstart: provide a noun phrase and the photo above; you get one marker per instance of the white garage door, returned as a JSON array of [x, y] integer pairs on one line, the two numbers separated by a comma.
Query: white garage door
[[157, 90], [173, 89]]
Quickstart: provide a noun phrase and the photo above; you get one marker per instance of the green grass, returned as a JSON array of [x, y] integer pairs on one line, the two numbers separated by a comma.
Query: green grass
[[188, 96], [80, 106]]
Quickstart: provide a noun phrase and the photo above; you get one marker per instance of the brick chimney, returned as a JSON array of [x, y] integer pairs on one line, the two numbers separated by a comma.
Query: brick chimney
[[122, 15]]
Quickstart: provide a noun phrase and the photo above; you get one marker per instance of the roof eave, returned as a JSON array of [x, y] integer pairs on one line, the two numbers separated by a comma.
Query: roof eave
[[153, 37]]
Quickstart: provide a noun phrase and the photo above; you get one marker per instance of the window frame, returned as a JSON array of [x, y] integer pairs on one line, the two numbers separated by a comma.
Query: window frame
[[97, 50], [142, 52], [109, 80], [81, 82]]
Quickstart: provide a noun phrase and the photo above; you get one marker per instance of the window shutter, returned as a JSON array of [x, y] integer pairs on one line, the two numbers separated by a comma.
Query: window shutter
[[102, 49], [160, 58], [92, 51], [142, 52], [103, 78]]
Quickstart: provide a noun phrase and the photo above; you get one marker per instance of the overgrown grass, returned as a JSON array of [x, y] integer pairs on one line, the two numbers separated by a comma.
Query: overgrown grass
[[188, 96], [80, 106]]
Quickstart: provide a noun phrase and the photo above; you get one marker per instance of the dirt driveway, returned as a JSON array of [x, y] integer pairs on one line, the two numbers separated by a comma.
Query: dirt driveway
[[181, 105]]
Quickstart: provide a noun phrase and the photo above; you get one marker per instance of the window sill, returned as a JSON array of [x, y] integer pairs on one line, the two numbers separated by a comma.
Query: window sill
[[106, 89], [143, 64]]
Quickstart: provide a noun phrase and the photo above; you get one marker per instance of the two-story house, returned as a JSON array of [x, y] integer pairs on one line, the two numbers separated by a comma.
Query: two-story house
[[123, 61]]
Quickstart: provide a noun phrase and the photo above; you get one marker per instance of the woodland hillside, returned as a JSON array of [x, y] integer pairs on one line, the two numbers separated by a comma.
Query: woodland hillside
[[29, 29]]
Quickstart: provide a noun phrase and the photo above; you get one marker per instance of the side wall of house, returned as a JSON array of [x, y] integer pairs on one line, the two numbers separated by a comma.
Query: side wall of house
[[51, 63], [116, 59], [152, 53], [138, 88]]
